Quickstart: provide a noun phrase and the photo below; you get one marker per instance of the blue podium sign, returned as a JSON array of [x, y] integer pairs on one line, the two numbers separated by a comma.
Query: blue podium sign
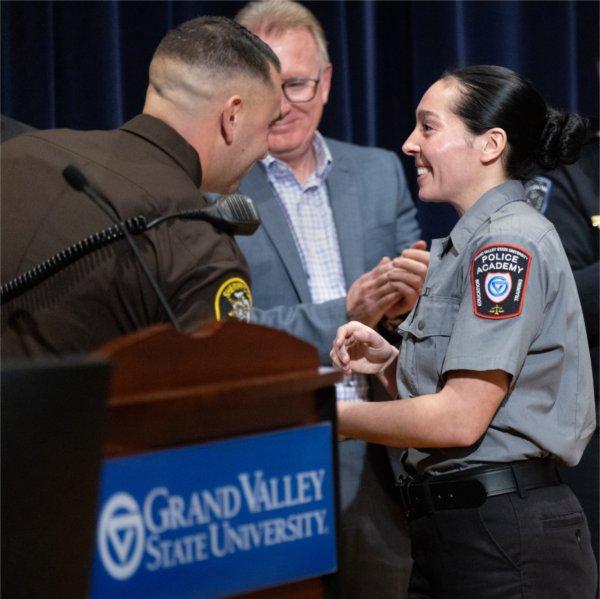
[[217, 519]]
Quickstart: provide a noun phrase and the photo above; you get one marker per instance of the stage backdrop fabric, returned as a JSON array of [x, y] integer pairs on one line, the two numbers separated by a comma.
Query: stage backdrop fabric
[[83, 65]]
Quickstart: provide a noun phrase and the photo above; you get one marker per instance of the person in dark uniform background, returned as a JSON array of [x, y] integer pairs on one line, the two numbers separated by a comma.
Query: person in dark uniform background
[[493, 377], [569, 198], [10, 128], [213, 93]]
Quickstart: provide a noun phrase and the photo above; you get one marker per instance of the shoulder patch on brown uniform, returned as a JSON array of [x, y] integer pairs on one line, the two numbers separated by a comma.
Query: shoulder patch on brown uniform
[[233, 300], [499, 275]]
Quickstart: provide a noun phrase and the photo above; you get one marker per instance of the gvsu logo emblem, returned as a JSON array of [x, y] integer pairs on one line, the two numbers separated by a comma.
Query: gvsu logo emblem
[[498, 286], [121, 536]]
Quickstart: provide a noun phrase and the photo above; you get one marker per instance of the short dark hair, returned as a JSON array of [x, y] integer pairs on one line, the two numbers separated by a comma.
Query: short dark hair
[[493, 96], [219, 44]]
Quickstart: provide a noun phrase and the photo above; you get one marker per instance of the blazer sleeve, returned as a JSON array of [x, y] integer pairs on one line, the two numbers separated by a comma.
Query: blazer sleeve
[[316, 324]]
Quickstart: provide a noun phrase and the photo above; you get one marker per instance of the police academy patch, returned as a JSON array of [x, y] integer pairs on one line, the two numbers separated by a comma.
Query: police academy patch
[[233, 300], [499, 280]]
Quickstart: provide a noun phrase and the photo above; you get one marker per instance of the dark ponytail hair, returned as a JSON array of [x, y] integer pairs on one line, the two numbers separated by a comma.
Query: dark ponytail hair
[[492, 96]]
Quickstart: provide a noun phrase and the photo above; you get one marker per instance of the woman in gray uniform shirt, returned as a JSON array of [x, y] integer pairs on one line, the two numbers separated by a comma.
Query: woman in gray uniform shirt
[[493, 375]]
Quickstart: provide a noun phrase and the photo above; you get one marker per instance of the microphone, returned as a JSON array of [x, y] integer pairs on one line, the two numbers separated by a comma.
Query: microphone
[[235, 214], [78, 181]]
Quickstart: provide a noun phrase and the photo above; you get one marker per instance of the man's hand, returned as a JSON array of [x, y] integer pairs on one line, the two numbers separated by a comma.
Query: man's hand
[[407, 277], [372, 294], [357, 348], [391, 288]]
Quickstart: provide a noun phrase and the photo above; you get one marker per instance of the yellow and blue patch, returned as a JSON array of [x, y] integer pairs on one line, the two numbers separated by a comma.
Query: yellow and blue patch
[[233, 300]]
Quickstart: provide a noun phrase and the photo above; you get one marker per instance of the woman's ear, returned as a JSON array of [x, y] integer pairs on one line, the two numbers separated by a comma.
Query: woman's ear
[[494, 143], [229, 118]]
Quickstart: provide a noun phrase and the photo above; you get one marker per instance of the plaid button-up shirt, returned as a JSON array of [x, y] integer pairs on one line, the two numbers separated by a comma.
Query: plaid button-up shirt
[[311, 221]]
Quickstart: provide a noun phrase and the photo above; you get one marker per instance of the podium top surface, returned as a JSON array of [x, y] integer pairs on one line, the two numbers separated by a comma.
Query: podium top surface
[[227, 379], [161, 359]]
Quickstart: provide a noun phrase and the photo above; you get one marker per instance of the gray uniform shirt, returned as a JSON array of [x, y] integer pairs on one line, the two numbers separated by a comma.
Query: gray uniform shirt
[[500, 295]]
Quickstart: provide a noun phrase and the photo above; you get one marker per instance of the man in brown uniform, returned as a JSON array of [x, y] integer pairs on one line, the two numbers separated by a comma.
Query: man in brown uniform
[[214, 91]]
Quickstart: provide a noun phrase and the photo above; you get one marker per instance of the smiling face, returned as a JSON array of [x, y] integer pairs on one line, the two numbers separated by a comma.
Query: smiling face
[[290, 138], [447, 156]]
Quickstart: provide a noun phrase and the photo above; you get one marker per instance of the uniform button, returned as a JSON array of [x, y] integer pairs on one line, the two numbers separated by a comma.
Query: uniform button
[[421, 325]]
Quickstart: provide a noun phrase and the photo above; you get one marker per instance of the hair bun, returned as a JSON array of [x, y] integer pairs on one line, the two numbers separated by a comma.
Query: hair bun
[[562, 139]]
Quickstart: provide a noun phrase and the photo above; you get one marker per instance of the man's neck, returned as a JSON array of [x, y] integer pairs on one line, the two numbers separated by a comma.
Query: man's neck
[[302, 166]]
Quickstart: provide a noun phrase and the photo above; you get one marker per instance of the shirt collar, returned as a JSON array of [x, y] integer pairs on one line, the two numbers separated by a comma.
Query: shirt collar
[[323, 158], [484, 207], [165, 138]]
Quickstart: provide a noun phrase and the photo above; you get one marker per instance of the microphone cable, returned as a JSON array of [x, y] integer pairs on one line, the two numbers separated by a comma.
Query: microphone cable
[[66, 257]]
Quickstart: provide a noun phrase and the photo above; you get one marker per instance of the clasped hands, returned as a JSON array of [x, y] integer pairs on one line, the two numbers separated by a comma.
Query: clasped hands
[[391, 289]]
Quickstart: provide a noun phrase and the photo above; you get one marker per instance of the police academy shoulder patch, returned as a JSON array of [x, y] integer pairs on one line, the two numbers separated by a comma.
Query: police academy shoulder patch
[[233, 300], [499, 275]]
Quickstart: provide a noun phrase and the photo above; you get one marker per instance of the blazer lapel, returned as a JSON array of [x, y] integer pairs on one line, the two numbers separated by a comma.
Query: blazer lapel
[[345, 206], [276, 226]]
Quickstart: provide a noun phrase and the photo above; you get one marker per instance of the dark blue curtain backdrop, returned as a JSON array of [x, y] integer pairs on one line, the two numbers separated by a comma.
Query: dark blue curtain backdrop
[[84, 65]]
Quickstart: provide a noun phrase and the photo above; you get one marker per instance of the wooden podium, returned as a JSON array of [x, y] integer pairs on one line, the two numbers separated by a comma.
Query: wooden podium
[[230, 379]]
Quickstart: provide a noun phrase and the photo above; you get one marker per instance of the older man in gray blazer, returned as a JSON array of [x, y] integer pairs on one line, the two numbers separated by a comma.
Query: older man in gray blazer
[[338, 242]]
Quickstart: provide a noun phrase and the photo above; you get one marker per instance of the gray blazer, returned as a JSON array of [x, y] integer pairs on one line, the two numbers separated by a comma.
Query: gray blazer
[[374, 217]]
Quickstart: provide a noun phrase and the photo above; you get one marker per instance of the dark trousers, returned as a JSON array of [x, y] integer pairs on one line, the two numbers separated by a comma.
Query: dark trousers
[[584, 480], [536, 547], [374, 552]]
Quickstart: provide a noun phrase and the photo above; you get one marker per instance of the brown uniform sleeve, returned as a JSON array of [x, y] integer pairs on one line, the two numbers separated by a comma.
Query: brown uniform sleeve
[[204, 274]]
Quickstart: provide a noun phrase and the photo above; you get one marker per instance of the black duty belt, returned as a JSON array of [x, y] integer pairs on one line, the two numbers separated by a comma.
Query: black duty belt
[[470, 488]]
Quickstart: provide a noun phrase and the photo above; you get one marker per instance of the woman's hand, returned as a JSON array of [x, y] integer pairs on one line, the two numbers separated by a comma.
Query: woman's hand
[[357, 348]]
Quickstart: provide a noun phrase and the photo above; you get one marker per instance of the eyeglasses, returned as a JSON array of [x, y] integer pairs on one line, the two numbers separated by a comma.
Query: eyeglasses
[[300, 90]]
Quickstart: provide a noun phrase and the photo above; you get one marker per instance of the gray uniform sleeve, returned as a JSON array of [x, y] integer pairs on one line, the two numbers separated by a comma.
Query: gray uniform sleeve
[[499, 333]]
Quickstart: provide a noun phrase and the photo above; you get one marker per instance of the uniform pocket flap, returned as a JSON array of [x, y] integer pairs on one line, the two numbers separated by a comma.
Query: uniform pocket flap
[[433, 316]]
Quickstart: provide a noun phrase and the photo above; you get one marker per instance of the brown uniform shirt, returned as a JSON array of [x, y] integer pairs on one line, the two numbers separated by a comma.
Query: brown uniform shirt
[[143, 168]]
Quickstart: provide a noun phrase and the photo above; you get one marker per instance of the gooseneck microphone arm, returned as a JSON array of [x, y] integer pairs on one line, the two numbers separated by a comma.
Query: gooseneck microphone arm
[[78, 181]]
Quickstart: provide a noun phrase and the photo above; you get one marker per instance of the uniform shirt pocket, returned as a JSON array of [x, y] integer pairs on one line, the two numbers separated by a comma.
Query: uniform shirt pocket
[[426, 337]]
